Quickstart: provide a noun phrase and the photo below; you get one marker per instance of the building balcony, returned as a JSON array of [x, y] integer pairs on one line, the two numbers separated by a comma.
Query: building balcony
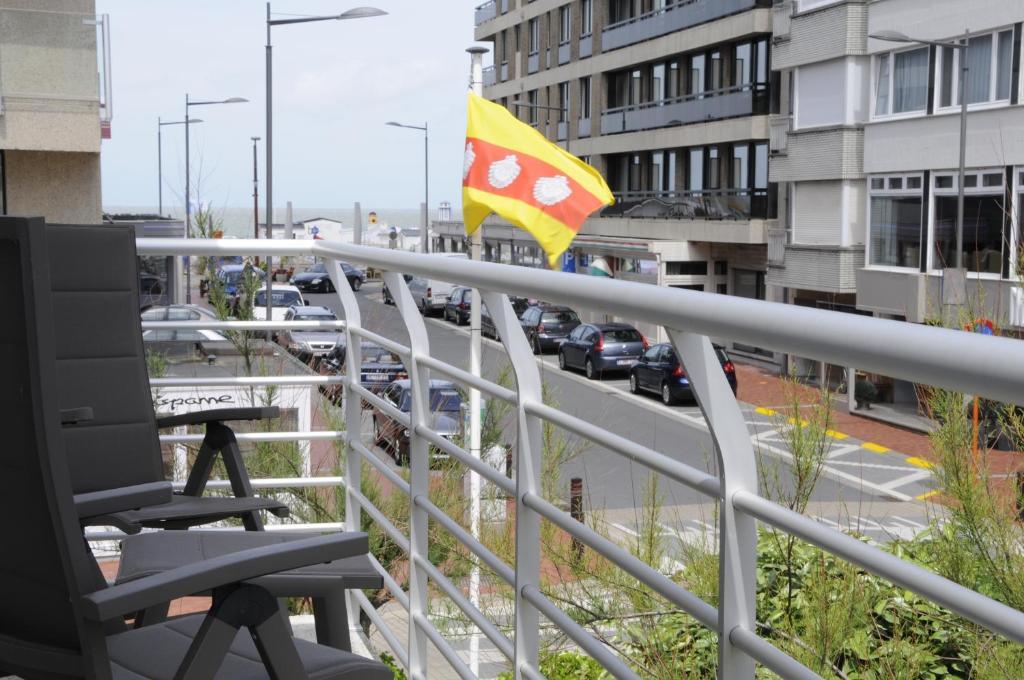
[[778, 133], [485, 12], [563, 53], [718, 204], [586, 45], [504, 71], [562, 130], [777, 240], [489, 76], [733, 102], [533, 62], [827, 269], [583, 127], [833, 153], [671, 19]]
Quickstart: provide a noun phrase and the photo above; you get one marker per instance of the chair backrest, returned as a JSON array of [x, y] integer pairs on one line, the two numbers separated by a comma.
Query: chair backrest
[[44, 565], [101, 362]]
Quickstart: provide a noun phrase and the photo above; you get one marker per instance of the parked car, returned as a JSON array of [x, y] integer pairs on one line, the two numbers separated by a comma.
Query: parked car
[[547, 326], [283, 298], [431, 295], [311, 344], [388, 300], [317, 279], [660, 372], [602, 347], [457, 309], [487, 329], [380, 368], [446, 419], [180, 313], [151, 289], [231, 276]]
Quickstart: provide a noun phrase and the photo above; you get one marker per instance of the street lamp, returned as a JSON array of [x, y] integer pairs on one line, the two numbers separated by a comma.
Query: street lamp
[[897, 37], [355, 13], [188, 202], [159, 158], [424, 237], [255, 196]]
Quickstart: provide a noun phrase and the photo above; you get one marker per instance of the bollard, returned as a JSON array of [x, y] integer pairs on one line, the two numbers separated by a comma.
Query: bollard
[[576, 512]]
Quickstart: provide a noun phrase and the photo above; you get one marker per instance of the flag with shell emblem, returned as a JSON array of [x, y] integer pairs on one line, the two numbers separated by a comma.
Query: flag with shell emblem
[[512, 170]]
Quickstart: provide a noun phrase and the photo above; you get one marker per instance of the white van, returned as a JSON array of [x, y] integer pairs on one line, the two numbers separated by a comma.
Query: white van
[[431, 295]]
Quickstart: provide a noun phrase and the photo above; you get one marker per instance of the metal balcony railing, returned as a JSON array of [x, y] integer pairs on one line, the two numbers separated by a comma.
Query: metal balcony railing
[[674, 17], [716, 204], [779, 128], [485, 12], [986, 366], [489, 76], [731, 102]]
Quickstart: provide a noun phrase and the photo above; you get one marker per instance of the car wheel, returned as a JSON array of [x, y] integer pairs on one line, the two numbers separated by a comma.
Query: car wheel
[[592, 371], [329, 285], [423, 308], [634, 385], [536, 345], [666, 395], [561, 360], [357, 283]]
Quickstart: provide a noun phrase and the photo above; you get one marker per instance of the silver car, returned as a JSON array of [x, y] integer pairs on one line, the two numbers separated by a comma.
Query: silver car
[[312, 344]]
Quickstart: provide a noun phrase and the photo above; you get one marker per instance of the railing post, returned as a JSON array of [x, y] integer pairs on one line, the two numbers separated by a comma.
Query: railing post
[[737, 468], [419, 470], [528, 462], [353, 410]]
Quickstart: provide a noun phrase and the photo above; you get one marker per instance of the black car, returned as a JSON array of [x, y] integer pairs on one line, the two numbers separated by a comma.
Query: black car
[[456, 309], [660, 372], [548, 326], [487, 329], [602, 347], [317, 279], [446, 418]]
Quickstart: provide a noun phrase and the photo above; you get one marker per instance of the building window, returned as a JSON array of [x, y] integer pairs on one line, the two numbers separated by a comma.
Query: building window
[[723, 289], [586, 17], [585, 97], [721, 267], [564, 24], [563, 102], [895, 230], [989, 70], [680, 268], [531, 110], [901, 82], [533, 28], [984, 217]]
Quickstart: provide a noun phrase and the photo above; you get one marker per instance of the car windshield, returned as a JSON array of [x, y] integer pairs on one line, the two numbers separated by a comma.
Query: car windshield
[[622, 335], [315, 317], [444, 400], [320, 268], [280, 298], [379, 355], [235, 276], [559, 317]]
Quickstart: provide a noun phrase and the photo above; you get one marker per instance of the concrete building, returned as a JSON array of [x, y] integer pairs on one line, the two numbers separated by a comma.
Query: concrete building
[[866, 150], [670, 101], [55, 107]]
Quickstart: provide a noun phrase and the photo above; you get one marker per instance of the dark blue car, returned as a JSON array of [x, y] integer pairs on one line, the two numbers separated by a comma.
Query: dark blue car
[[599, 348], [446, 418], [231, 276], [660, 372]]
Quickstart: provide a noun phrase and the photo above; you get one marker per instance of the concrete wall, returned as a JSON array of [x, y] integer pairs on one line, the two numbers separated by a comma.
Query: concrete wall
[[939, 20], [833, 153], [821, 34], [60, 186]]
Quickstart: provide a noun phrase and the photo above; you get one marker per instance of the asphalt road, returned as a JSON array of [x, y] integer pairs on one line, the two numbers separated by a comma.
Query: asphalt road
[[860, 488]]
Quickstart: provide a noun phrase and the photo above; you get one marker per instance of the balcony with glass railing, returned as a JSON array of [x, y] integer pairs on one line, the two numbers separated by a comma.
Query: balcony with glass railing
[[675, 16], [485, 12], [708, 204], [731, 102]]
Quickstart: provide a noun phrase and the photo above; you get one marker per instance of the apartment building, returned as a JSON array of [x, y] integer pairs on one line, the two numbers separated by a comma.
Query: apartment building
[[670, 101], [866, 152], [55, 107]]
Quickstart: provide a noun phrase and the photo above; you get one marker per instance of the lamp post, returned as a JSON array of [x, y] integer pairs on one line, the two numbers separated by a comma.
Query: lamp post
[[961, 47], [188, 202], [356, 13], [255, 196], [424, 237], [160, 158]]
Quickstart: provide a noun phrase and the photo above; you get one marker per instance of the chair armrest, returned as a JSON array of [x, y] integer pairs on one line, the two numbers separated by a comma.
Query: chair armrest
[[73, 416], [218, 415], [109, 501], [134, 596]]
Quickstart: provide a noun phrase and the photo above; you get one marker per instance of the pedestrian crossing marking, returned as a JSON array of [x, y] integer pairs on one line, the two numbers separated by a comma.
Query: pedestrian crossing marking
[[764, 411], [876, 448], [920, 462]]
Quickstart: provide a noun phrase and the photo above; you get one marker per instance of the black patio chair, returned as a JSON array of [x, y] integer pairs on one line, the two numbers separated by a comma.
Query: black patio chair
[[114, 450], [59, 619]]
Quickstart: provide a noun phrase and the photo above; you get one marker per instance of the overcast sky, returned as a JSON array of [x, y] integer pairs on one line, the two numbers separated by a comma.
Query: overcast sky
[[335, 85]]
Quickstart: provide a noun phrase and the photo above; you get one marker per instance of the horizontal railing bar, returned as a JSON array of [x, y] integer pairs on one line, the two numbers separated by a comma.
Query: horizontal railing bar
[[386, 343], [381, 467], [984, 611], [768, 654], [389, 528], [659, 462], [482, 468], [503, 570], [219, 325], [401, 417], [389, 582], [385, 630], [262, 381], [298, 436], [475, 615], [274, 483], [591, 645], [469, 379], [453, 658], [684, 599]]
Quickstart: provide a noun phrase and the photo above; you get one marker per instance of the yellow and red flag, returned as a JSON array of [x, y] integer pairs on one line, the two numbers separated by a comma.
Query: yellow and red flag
[[512, 170]]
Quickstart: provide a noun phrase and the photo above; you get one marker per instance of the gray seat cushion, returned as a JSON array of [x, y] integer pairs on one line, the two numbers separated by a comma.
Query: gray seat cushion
[[155, 652]]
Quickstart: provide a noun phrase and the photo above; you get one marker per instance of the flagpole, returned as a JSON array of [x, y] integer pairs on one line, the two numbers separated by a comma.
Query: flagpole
[[476, 77]]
